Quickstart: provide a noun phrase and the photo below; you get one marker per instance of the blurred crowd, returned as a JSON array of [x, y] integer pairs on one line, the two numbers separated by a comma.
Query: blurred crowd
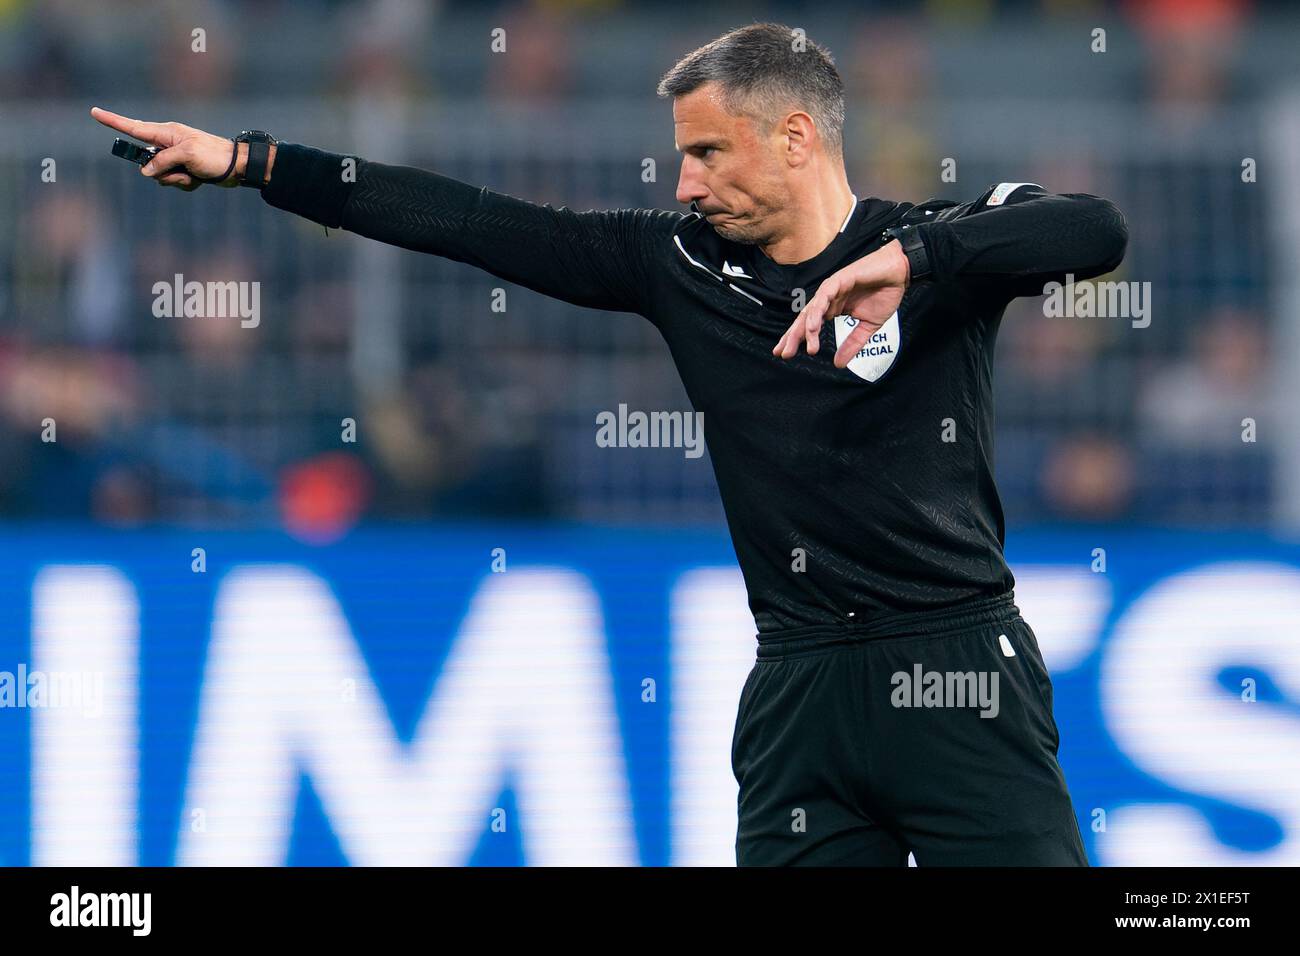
[[203, 420]]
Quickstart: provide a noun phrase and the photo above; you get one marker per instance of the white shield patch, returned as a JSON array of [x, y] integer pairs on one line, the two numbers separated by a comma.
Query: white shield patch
[[879, 352]]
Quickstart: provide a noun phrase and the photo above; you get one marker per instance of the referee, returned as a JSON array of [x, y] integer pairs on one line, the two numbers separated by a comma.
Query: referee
[[898, 702]]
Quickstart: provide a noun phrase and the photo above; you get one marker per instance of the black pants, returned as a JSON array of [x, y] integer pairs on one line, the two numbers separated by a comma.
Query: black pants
[[927, 733]]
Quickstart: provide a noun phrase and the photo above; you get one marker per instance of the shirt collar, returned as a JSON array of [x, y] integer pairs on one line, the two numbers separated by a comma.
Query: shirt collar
[[751, 274]]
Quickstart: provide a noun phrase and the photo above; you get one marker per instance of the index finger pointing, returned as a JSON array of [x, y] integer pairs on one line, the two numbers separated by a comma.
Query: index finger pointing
[[149, 132]]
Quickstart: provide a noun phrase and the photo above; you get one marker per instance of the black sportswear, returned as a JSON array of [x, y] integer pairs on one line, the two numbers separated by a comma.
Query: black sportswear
[[882, 473]]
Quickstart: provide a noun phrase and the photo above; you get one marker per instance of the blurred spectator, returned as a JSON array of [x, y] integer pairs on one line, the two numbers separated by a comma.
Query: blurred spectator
[[61, 412], [69, 274], [887, 77], [1190, 44], [385, 40], [447, 446], [537, 62], [1089, 478], [1206, 424], [191, 64], [1201, 401]]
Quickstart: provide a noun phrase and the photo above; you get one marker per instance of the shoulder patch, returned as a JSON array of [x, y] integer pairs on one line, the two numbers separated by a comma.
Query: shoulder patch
[[1004, 190]]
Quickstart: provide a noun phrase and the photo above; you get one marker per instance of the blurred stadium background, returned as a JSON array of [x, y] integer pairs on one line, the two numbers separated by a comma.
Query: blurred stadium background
[[371, 562]]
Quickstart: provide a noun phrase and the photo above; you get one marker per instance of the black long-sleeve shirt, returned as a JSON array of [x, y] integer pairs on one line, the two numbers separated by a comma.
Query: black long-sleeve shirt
[[881, 472]]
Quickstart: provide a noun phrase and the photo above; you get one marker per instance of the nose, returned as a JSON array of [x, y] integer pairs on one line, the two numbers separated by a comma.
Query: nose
[[690, 187]]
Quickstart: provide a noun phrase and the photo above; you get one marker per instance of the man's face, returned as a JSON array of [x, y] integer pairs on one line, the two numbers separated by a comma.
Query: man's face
[[730, 167]]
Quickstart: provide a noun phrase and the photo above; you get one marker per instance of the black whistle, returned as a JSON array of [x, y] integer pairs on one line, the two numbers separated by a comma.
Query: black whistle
[[133, 152]]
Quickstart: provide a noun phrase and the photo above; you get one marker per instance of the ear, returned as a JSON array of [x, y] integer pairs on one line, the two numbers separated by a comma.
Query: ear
[[801, 134]]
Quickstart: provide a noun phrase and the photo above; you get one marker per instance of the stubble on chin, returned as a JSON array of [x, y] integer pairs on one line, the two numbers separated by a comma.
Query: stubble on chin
[[742, 235], [753, 228]]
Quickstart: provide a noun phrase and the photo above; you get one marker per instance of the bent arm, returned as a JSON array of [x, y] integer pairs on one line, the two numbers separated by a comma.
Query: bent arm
[[598, 259], [1032, 238]]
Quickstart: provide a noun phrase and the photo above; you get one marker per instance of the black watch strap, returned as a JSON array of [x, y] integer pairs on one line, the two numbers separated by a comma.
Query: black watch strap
[[259, 154], [918, 257]]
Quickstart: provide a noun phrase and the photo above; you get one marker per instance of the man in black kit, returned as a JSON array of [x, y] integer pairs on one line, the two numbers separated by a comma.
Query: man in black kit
[[898, 701]]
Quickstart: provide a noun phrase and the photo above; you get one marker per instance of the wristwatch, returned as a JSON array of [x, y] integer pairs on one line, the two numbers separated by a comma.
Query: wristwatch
[[259, 153], [918, 258]]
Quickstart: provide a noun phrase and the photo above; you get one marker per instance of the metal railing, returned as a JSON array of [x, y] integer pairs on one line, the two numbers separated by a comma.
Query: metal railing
[[461, 408]]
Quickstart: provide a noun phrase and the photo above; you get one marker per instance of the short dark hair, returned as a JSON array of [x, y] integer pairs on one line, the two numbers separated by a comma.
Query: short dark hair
[[764, 69]]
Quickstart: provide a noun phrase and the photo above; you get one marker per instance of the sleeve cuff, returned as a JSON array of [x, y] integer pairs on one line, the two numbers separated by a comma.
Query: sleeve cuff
[[934, 244], [309, 182], [912, 241]]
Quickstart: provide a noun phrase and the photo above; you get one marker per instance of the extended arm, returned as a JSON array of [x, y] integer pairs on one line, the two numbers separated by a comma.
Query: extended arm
[[596, 259], [599, 259]]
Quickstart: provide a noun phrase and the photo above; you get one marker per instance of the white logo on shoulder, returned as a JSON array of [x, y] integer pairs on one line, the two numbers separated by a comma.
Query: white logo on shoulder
[[1004, 190], [877, 353]]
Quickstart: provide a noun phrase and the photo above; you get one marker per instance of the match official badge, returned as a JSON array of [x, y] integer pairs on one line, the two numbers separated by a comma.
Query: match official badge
[[877, 353], [1003, 190]]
